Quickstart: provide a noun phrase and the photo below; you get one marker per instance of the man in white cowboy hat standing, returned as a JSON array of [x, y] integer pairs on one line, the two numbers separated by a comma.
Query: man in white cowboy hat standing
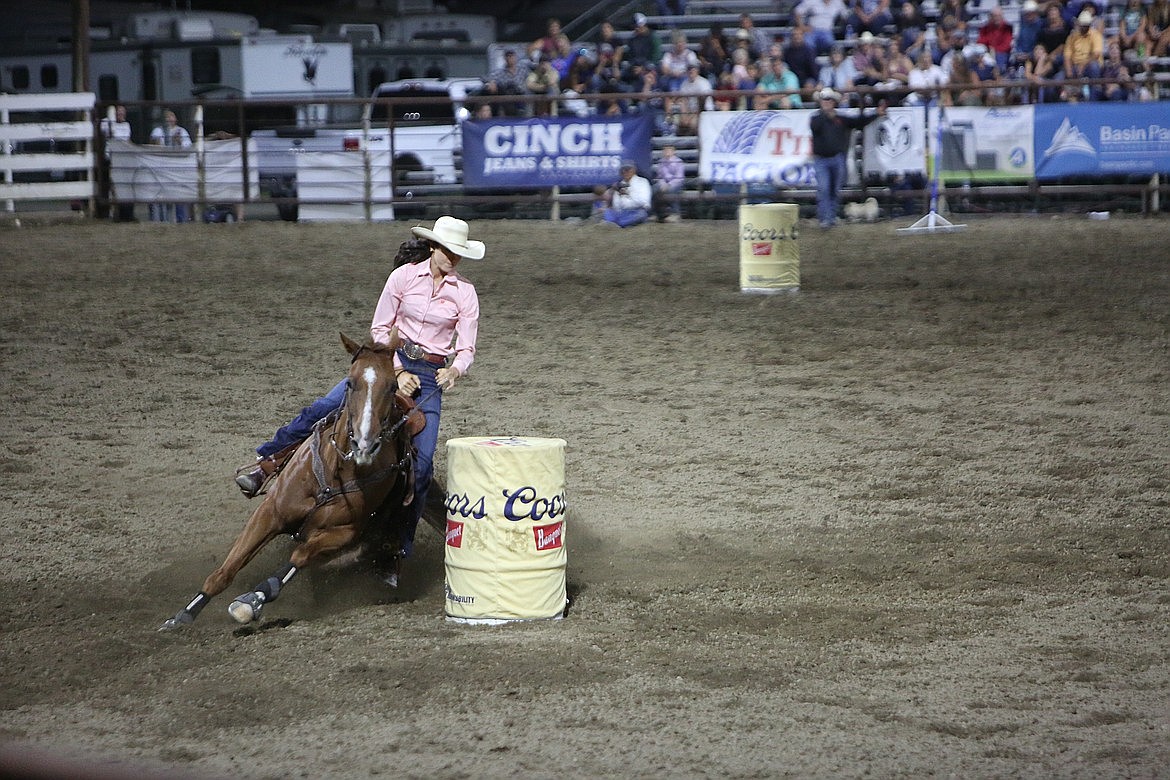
[[436, 312], [831, 133]]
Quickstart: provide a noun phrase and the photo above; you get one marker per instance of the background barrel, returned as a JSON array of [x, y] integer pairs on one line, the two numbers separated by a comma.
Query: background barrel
[[769, 257], [505, 553]]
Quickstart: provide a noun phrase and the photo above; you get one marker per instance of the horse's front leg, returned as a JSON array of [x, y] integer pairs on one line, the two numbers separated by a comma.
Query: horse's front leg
[[247, 606], [262, 527]]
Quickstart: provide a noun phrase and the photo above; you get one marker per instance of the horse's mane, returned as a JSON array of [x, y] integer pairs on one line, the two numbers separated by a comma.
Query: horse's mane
[[381, 349], [373, 346]]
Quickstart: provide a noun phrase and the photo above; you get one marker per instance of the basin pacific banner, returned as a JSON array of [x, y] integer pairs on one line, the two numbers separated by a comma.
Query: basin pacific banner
[[553, 151], [1088, 139]]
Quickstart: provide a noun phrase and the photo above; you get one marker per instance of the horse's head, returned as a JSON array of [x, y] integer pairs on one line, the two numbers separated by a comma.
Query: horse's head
[[369, 399]]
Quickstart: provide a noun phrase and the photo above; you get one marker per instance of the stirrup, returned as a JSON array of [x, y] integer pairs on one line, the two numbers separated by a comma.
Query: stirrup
[[250, 479]]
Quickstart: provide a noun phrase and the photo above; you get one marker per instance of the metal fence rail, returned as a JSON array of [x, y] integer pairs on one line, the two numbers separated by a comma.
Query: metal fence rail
[[395, 182]]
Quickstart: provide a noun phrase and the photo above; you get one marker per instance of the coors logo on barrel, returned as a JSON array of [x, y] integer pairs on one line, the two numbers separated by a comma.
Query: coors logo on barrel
[[525, 502], [519, 504], [749, 232]]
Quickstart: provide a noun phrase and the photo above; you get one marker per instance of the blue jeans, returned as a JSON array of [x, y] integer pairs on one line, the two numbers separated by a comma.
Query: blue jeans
[[820, 40], [626, 217], [425, 442], [876, 25], [830, 173]]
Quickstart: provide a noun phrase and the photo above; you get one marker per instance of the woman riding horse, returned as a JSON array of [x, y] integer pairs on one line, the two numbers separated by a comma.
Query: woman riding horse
[[436, 311], [348, 486]]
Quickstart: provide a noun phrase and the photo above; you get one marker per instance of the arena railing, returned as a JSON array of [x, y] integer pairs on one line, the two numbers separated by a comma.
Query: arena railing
[[411, 197]]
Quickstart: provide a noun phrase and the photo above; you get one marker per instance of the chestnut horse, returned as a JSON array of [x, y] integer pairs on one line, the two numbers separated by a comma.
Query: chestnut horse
[[330, 491]]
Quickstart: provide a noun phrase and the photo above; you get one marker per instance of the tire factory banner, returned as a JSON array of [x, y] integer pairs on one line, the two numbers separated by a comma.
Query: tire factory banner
[[775, 147], [751, 147], [552, 151], [1110, 139]]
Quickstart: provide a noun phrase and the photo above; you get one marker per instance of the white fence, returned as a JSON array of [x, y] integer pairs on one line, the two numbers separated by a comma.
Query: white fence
[[74, 136]]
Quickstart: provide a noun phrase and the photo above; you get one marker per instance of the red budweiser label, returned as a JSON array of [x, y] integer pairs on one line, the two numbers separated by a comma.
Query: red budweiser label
[[761, 247], [548, 537], [454, 534]]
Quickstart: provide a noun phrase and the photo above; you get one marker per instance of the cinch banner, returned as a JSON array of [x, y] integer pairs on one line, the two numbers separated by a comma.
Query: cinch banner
[[1102, 138], [553, 151]]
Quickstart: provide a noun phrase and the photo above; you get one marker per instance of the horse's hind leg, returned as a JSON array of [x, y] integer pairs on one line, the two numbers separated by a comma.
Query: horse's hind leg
[[247, 606]]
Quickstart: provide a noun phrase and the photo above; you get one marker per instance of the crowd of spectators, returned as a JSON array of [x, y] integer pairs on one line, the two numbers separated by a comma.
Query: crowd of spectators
[[906, 55]]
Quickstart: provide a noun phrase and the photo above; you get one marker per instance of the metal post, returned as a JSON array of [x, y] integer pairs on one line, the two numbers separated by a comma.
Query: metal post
[[200, 165], [244, 168], [555, 212], [9, 204], [367, 184]]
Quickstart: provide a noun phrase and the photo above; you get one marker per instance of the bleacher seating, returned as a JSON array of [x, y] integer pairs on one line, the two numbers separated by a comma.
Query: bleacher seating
[[775, 20]]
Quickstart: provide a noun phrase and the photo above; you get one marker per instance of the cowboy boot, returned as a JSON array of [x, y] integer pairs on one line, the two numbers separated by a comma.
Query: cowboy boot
[[250, 479]]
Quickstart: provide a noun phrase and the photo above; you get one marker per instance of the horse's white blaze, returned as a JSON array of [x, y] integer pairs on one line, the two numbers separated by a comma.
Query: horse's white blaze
[[367, 420]]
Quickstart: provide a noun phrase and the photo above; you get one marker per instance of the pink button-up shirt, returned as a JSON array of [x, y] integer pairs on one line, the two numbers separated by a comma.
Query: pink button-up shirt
[[428, 317]]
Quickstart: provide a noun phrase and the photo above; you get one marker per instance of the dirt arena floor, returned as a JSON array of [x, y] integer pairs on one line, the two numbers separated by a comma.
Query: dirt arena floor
[[912, 521]]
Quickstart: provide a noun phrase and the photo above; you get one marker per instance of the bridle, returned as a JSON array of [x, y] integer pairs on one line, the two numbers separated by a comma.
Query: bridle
[[325, 490], [389, 431]]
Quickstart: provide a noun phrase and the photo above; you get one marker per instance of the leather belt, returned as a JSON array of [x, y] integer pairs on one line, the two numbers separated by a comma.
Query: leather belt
[[415, 352]]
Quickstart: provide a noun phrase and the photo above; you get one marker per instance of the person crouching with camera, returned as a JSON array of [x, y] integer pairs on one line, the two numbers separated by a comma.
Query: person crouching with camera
[[627, 201]]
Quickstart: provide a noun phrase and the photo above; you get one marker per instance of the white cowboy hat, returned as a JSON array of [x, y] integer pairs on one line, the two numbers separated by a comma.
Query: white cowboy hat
[[452, 233], [828, 93]]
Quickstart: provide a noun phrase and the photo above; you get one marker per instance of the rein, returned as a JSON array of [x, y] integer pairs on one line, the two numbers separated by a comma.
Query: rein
[[326, 492]]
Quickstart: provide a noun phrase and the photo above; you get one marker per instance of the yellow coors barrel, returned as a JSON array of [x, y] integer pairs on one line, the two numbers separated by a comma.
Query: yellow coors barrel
[[505, 551], [769, 257]]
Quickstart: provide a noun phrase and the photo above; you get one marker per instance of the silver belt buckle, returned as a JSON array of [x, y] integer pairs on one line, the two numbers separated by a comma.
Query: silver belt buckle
[[413, 351]]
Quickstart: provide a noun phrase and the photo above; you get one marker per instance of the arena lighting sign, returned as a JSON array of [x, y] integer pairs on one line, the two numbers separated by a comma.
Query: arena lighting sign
[[548, 151]]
